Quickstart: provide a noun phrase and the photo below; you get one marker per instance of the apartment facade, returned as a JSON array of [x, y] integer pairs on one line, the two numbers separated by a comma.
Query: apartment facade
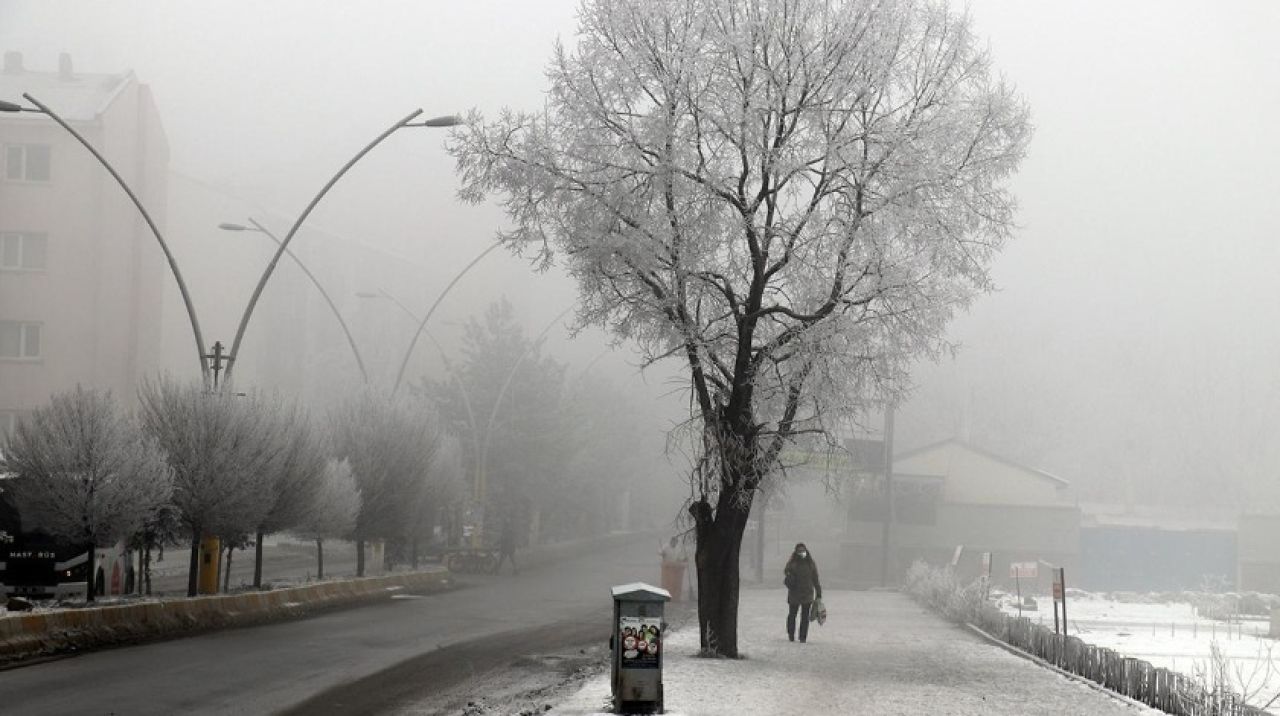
[[81, 276]]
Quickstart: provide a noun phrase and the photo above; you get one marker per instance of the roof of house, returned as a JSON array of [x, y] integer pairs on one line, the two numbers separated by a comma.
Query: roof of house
[[82, 98], [985, 453]]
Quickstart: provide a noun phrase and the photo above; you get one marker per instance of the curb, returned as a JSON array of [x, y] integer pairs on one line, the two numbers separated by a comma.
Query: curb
[[32, 636], [1061, 672]]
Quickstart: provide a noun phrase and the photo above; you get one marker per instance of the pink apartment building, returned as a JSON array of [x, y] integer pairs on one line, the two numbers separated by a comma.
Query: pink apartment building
[[81, 277]]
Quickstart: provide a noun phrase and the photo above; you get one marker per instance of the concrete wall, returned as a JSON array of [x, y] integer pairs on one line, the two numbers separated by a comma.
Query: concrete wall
[[24, 636], [1258, 553]]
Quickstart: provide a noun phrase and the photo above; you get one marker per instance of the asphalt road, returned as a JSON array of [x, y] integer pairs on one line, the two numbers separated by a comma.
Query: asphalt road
[[276, 667]]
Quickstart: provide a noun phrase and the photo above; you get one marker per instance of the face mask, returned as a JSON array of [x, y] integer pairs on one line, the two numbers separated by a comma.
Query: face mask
[[802, 555]]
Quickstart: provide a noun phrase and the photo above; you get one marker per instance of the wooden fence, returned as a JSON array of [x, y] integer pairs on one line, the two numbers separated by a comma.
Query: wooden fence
[[1161, 688]]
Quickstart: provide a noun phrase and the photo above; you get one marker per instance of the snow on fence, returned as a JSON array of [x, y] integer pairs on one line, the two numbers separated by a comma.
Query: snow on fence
[[1161, 688]]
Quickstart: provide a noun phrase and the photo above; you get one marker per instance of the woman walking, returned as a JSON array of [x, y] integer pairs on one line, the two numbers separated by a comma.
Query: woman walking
[[801, 578]]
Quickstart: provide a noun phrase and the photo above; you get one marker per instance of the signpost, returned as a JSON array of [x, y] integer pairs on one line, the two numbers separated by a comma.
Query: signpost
[[1018, 571], [986, 574]]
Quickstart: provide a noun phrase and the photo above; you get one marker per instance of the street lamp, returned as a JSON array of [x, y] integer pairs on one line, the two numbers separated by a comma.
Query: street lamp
[[462, 387], [445, 121], [351, 341], [422, 325], [41, 108]]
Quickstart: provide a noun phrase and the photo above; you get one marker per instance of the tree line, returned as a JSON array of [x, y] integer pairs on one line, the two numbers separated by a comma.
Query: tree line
[[190, 463]]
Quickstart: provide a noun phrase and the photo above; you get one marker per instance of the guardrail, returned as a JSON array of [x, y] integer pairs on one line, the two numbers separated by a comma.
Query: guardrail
[[23, 636]]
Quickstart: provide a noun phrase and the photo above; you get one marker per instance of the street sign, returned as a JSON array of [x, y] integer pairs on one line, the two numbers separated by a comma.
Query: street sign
[[1023, 570], [986, 565], [955, 558], [1057, 585]]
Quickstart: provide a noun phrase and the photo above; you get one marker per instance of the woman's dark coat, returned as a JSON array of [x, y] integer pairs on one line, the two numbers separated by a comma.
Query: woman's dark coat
[[801, 579]]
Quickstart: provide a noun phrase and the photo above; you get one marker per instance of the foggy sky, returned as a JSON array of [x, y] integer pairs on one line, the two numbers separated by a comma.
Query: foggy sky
[[1137, 326]]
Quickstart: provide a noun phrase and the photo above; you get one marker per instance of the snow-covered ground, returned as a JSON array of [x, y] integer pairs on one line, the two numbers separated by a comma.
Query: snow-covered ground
[[1172, 636], [879, 653]]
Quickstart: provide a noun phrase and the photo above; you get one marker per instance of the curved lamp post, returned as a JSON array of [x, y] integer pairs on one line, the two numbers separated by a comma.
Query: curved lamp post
[[483, 473], [351, 341], [462, 387], [446, 121], [155, 230], [423, 323]]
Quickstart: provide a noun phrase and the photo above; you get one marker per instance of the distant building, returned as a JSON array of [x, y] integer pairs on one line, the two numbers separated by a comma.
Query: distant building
[[81, 277], [952, 494]]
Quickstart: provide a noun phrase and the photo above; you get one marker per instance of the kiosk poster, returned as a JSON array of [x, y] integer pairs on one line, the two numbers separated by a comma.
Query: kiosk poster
[[640, 638]]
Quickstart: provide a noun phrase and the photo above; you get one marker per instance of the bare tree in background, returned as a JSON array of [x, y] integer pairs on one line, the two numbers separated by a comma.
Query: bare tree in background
[[792, 196], [221, 447], [389, 443], [292, 488], [84, 473], [442, 486], [333, 516]]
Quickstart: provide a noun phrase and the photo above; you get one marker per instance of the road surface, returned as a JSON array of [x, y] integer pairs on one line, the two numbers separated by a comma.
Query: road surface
[[272, 668]]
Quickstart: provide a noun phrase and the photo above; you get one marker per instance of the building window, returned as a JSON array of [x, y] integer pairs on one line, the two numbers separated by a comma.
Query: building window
[[19, 340], [27, 162], [23, 251]]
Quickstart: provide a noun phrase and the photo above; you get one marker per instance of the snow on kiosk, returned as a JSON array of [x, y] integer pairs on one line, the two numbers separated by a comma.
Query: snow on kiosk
[[638, 631]]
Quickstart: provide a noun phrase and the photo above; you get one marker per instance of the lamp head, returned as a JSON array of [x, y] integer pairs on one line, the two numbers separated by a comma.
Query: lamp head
[[448, 120], [226, 226]]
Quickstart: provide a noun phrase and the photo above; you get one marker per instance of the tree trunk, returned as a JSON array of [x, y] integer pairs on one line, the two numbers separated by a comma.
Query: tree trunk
[[719, 542], [359, 557], [192, 582], [413, 552], [91, 581], [146, 566], [257, 560], [319, 559], [226, 574], [760, 513]]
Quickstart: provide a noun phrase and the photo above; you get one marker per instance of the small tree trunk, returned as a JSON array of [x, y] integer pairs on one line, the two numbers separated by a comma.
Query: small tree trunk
[[319, 559], [257, 560], [226, 575], [192, 575], [359, 557], [146, 566], [91, 582], [413, 552]]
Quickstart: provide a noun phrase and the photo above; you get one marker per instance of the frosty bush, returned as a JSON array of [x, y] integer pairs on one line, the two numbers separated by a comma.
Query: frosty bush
[[938, 588]]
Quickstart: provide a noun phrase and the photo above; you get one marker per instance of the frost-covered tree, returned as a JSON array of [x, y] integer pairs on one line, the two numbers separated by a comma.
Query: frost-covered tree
[[333, 515], [84, 473], [790, 196], [221, 448], [390, 444], [292, 487], [505, 398]]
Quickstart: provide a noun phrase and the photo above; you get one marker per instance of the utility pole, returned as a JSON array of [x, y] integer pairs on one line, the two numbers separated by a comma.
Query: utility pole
[[887, 532], [218, 358]]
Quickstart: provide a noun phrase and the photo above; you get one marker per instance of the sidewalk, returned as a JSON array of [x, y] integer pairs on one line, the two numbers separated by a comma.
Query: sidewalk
[[879, 653]]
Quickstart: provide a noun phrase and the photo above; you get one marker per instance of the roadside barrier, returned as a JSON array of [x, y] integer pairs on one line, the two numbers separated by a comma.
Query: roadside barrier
[[24, 636]]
